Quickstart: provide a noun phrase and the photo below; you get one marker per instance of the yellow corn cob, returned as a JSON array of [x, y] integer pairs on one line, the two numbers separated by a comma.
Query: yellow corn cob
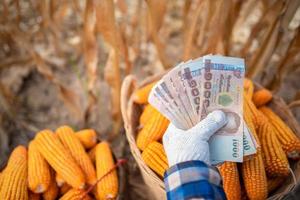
[[75, 194], [38, 170], [64, 189], [107, 188], [262, 97], [14, 183], [72, 143], [146, 114], [254, 177], [289, 141], [153, 130], [276, 162], [87, 137], [155, 157], [34, 196], [92, 153], [274, 183], [251, 109], [59, 180], [253, 170], [231, 181], [141, 95], [249, 121], [59, 158], [52, 191], [248, 87]]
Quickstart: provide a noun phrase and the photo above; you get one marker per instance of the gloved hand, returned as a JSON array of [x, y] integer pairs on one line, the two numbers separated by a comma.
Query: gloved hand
[[181, 146]]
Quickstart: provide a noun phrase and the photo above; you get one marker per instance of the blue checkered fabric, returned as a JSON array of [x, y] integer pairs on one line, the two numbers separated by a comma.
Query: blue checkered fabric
[[193, 180]]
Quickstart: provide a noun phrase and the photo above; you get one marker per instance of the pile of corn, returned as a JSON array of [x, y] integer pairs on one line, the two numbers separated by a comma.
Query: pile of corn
[[60, 165], [259, 174]]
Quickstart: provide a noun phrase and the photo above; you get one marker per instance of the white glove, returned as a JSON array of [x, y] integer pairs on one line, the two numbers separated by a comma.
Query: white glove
[[181, 146]]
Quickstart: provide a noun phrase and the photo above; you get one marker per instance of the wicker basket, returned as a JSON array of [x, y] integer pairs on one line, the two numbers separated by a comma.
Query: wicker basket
[[132, 111]]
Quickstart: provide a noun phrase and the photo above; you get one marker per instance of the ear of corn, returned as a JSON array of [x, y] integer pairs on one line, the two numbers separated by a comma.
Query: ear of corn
[[262, 97], [107, 188], [14, 183], [154, 156], [76, 194], [231, 181], [249, 121], [141, 95], [276, 162], [153, 130], [64, 189], [254, 177], [34, 196], [289, 141], [248, 87], [253, 170], [38, 170], [147, 113], [72, 143], [59, 180], [56, 155], [251, 110], [87, 137]]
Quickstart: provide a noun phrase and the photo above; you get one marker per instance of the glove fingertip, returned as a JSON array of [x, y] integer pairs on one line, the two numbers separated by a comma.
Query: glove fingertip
[[219, 117]]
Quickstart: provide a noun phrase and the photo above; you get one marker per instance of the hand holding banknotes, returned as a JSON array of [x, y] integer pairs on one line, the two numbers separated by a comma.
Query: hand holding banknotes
[[192, 144]]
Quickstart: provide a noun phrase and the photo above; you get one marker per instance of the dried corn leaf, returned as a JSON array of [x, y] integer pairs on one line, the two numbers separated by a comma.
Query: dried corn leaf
[[296, 101], [90, 44], [112, 76], [269, 23], [157, 9], [90, 53], [128, 64], [186, 10], [217, 27], [190, 31], [288, 62], [18, 16], [107, 26], [122, 6]]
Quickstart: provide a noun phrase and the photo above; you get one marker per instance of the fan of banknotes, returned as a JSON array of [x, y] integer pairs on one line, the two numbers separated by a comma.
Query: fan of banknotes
[[192, 89]]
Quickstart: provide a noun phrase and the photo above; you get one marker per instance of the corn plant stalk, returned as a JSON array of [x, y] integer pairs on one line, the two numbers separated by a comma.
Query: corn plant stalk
[[157, 9], [107, 26], [90, 52]]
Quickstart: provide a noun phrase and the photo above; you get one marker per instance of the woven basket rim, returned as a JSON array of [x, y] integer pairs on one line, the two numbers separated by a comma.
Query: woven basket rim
[[131, 111]]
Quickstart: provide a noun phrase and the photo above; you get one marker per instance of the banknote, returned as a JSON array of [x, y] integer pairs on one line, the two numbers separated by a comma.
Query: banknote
[[222, 89], [180, 93], [163, 90], [191, 79], [249, 142], [156, 101]]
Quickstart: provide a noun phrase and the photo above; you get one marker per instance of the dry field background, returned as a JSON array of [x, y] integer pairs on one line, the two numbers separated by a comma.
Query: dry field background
[[63, 61]]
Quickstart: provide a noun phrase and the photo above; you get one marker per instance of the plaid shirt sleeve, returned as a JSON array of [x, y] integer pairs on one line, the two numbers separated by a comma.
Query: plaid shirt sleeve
[[193, 180]]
